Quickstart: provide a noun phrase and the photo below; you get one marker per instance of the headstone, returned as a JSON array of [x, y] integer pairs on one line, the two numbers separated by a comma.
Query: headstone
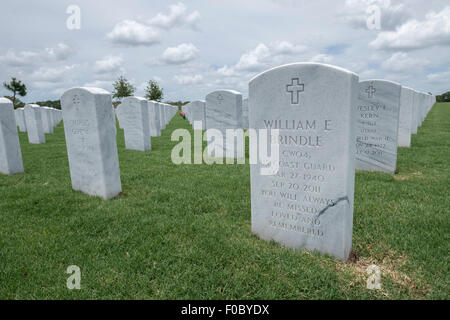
[[377, 124], [308, 203], [155, 124], [46, 120], [33, 121], [168, 110], [118, 113], [245, 114], [135, 122], [20, 119], [224, 111], [53, 117], [162, 115], [89, 127], [405, 118], [415, 112], [197, 112], [10, 153]]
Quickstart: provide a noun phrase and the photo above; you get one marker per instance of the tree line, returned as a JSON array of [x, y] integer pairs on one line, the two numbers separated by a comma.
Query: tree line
[[122, 88], [445, 97]]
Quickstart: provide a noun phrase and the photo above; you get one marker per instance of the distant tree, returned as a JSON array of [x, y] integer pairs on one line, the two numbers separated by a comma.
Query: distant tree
[[19, 104], [445, 97], [56, 104], [178, 104], [153, 91], [122, 88], [17, 87]]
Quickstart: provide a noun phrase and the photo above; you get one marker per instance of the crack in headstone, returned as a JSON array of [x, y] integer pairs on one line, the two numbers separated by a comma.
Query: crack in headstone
[[333, 204]]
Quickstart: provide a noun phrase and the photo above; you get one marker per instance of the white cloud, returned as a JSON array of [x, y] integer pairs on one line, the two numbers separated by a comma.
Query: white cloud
[[226, 71], [287, 48], [357, 12], [57, 74], [439, 77], [255, 59], [132, 33], [61, 52], [415, 34], [183, 53], [29, 58], [102, 84], [402, 62], [109, 65], [177, 17], [21, 59], [322, 58], [188, 79], [262, 57]]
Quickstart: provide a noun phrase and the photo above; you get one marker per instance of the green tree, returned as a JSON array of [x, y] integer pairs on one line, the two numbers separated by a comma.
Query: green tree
[[445, 97], [17, 87], [122, 88], [153, 91]]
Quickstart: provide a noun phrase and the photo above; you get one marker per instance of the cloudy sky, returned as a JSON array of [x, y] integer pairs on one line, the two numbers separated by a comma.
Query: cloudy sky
[[192, 47]]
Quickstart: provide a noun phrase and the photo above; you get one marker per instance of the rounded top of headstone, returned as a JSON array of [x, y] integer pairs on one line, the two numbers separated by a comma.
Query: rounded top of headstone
[[90, 90], [134, 98], [196, 102], [32, 105], [381, 81], [225, 91], [5, 100], [305, 64], [94, 90]]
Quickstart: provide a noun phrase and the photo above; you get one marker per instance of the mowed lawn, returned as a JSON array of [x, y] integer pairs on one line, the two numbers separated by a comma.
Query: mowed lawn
[[183, 232]]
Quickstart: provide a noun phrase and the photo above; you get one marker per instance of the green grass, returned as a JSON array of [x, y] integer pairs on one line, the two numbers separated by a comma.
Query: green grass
[[183, 232]]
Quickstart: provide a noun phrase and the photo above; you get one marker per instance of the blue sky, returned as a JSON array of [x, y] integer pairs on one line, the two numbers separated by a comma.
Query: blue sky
[[194, 47]]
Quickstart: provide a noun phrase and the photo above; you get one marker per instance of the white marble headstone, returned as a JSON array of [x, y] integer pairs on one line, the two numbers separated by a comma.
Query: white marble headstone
[[118, 114], [377, 124], [224, 111], [20, 119], [155, 124], [135, 123], [89, 127], [10, 153], [46, 120], [33, 121], [245, 113], [162, 115], [308, 203], [197, 112], [405, 117]]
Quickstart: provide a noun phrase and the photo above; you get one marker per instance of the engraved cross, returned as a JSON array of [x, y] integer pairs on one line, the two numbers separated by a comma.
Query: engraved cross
[[294, 89], [370, 91]]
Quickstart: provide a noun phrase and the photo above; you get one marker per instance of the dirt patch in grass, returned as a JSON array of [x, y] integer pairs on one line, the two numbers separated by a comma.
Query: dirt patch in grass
[[414, 174], [389, 266]]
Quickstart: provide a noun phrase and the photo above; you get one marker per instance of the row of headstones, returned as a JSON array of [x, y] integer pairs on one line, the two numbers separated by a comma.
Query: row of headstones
[[315, 110], [142, 119], [90, 131], [387, 114], [329, 124], [33, 119]]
